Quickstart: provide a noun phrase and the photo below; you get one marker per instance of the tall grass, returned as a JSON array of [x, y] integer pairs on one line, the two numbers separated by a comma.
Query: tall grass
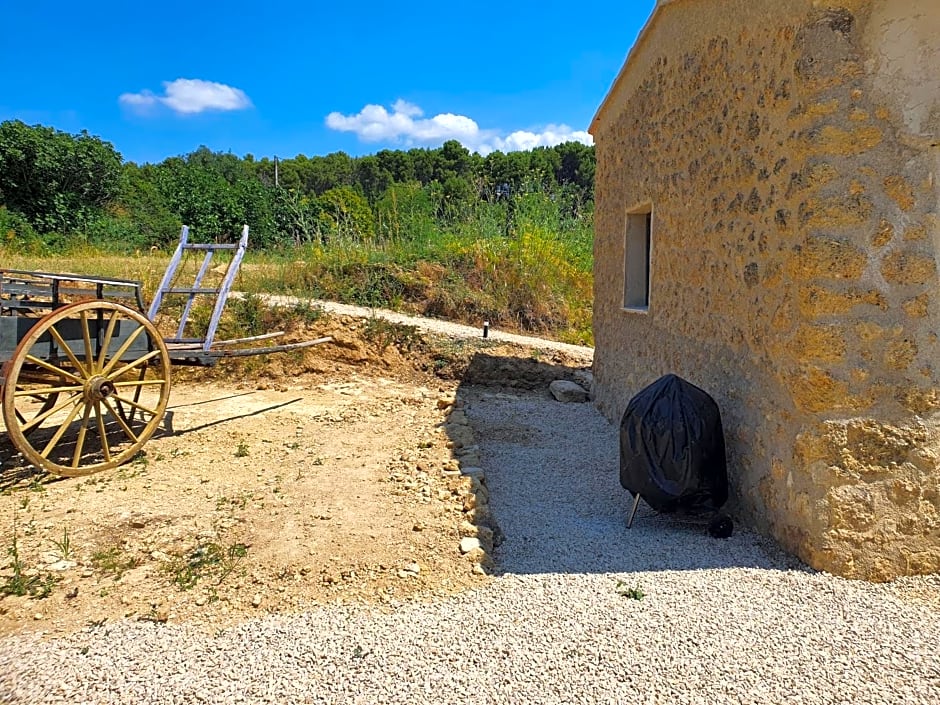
[[529, 269]]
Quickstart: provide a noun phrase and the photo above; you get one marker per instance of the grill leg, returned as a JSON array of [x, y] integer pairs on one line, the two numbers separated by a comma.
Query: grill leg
[[636, 505]]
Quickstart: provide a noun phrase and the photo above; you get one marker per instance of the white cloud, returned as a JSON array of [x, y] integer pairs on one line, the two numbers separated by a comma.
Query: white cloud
[[405, 123], [188, 96]]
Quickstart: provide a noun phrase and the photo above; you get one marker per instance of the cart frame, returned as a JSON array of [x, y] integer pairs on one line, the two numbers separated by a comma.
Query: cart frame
[[84, 372]]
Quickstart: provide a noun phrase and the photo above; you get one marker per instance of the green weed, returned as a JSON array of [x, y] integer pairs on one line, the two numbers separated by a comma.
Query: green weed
[[112, 561], [64, 545], [634, 593], [20, 584], [205, 560]]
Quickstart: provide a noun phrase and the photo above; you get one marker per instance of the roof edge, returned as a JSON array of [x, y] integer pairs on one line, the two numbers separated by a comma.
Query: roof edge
[[627, 64]]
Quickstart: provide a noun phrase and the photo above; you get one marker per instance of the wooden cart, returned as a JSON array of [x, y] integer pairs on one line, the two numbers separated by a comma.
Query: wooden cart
[[85, 375]]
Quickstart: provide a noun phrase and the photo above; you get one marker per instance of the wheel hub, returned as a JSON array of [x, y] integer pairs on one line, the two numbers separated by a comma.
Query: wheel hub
[[98, 388]]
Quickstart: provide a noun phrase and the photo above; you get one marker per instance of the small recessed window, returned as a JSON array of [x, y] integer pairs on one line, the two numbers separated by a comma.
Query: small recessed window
[[636, 260]]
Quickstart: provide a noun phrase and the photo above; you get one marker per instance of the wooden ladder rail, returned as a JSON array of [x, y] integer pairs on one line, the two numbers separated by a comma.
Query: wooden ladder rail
[[221, 292]]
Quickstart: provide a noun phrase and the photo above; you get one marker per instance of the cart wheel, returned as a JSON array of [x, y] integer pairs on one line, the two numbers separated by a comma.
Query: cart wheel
[[86, 388]]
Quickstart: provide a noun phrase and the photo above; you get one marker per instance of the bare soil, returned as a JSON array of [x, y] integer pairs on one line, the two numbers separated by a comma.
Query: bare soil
[[277, 483]]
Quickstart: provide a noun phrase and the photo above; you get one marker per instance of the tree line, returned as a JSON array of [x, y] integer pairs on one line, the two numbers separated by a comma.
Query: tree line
[[57, 187]]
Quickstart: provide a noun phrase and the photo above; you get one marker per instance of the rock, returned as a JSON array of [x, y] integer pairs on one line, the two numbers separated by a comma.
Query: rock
[[470, 460], [202, 600], [485, 534], [256, 600], [469, 543], [470, 471], [584, 377], [159, 556], [565, 391], [72, 594], [61, 565], [413, 568], [478, 555], [38, 616], [468, 530]]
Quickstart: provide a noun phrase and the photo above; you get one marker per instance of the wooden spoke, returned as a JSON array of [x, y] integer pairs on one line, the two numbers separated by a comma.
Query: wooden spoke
[[108, 334], [61, 431], [102, 433], [136, 363], [125, 346], [121, 422], [46, 391], [52, 368], [49, 401], [140, 383], [65, 347], [86, 337], [39, 418], [80, 443], [129, 402]]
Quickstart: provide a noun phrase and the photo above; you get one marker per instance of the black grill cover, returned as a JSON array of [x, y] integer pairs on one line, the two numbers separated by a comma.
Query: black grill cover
[[672, 448]]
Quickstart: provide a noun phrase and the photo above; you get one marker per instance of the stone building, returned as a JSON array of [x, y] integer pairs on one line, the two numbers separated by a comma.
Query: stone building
[[767, 228]]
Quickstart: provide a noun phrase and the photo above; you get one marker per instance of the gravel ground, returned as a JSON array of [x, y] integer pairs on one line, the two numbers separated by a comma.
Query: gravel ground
[[731, 621]]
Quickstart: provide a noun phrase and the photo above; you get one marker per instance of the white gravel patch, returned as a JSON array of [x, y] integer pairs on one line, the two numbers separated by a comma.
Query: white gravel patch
[[731, 621]]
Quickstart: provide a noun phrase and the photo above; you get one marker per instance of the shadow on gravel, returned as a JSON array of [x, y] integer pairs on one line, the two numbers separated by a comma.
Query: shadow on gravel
[[554, 496]]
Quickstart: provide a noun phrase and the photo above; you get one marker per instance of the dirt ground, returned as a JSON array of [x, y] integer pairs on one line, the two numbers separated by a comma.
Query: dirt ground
[[276, 483]]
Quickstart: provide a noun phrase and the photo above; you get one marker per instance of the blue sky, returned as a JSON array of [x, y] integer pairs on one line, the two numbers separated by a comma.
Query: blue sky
[[285, 78]]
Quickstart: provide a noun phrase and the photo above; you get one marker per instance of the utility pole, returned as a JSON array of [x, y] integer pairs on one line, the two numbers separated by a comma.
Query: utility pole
[[275, 172]]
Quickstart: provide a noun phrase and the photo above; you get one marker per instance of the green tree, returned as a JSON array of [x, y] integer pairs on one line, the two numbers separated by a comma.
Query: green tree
[[56, 180], [346, 212]]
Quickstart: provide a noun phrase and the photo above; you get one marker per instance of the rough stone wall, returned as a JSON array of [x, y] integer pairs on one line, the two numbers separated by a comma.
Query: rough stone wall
[[789, 150]]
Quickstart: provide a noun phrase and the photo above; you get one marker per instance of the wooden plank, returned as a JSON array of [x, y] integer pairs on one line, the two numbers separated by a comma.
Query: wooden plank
[[246, 352]]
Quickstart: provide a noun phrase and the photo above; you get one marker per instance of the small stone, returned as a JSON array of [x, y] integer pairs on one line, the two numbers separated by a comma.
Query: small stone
[[72, 594], [87, 573], [478, 569], [584, 377], [404, 574], [159, 555], [471, 471], [61, 565], [413, 568], [256, 600], [202, 600], [125, 600], [470, 460], [468, 530], [469, 543], [418, 527], [38, 616], [568, 392]]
